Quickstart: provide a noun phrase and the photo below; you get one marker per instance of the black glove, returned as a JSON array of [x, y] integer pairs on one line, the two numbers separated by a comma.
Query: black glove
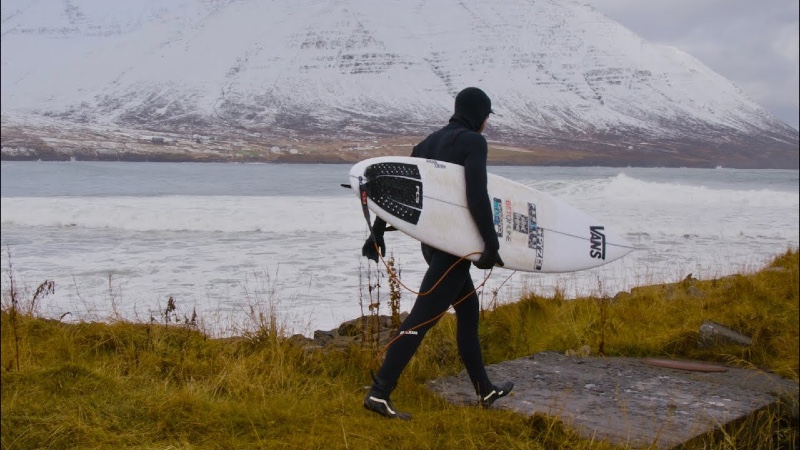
[[369, 250], [489, 258]]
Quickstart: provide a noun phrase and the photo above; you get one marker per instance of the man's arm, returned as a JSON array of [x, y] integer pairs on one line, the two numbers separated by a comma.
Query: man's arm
[[477, 195]]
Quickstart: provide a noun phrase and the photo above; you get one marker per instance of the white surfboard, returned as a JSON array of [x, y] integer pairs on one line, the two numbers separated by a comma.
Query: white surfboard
[[427, 200]]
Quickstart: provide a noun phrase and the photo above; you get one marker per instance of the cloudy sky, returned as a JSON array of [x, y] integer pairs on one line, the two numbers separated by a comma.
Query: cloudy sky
[[752, 43]]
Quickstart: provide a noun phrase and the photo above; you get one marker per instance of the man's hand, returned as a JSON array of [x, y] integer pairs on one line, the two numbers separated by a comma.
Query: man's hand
[[369, 250], [489, 258]]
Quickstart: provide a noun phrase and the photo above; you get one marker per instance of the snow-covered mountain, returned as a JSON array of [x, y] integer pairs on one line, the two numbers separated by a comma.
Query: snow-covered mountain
[[559, 74]]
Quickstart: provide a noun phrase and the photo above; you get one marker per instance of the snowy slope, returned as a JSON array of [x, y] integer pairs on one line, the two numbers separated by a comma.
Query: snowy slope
[[551, 68]]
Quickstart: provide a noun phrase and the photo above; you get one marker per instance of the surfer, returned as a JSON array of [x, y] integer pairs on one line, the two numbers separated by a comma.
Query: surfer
[[459, 142]]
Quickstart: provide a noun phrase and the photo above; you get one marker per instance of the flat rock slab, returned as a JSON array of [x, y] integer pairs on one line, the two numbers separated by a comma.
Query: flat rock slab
[[630, 401]]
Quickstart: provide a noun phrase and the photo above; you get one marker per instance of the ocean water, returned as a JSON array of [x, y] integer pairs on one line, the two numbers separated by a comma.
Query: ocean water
[[232, 241]]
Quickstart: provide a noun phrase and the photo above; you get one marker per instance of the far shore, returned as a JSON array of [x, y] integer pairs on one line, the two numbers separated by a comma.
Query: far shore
[[59, 141], [496, 158]]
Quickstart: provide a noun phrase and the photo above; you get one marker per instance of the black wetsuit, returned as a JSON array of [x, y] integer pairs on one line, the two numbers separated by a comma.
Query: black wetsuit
[[457, 143]]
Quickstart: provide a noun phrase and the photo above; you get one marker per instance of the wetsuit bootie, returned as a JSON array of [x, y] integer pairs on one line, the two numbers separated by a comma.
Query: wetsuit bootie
[[378, 401], [497, 392], [382, 405]]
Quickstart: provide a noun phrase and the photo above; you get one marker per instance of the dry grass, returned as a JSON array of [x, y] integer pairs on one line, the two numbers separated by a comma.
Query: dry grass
[[165, 385]]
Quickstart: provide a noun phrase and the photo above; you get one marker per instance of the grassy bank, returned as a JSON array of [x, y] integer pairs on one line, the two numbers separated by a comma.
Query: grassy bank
[[161, 385]]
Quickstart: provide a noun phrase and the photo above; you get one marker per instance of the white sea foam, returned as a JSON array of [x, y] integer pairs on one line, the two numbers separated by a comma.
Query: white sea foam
[[188, 213], [616, 199], [224, 254], [626, 188], [623, 188]]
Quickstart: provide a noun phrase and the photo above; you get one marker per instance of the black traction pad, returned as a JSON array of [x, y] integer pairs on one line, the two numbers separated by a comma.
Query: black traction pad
[[397, 188]]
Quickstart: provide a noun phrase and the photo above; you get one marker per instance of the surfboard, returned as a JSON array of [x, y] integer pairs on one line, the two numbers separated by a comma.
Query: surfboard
[[426, 199]]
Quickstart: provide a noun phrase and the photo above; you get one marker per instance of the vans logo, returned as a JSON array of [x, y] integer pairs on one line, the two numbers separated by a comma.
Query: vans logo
[[597, 241]]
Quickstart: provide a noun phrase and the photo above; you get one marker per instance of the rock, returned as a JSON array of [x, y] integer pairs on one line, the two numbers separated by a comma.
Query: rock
[[299, 339], [712, 333], [354, 327], [695, 292], [583, 352], [323, 337], [339, 342], [379, 329], [622, 295], [627, 402]]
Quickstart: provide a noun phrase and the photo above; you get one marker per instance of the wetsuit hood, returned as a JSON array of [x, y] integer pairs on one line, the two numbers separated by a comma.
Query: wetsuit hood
[[473, 106]]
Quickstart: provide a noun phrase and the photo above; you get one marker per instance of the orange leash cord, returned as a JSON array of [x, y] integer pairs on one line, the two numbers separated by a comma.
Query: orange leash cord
[[383, 350], [363, 197], [380, 353], [449, 269]]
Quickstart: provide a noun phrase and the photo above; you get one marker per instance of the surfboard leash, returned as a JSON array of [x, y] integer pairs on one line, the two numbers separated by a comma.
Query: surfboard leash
[[383, 350], [363, 192], [363, 195]]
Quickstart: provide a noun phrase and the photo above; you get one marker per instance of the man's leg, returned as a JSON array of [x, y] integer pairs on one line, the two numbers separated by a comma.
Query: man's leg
[[424, 314], [425, 309], [469, 346]]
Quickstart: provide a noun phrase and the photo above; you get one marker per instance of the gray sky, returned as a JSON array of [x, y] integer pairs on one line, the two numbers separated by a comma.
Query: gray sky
[[752, 43]]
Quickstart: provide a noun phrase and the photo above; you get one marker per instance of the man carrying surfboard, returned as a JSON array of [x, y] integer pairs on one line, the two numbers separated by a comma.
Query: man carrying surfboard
[[459, 142]]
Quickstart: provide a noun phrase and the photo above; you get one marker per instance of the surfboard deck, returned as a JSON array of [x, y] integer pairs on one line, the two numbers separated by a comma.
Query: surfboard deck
[[426, 199]]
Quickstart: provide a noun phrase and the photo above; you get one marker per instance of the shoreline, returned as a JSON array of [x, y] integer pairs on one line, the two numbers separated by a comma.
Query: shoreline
[[493, 160], [55, 140]]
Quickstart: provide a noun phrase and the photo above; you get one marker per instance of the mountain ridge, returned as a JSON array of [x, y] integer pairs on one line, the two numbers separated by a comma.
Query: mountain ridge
[[559, 73]]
